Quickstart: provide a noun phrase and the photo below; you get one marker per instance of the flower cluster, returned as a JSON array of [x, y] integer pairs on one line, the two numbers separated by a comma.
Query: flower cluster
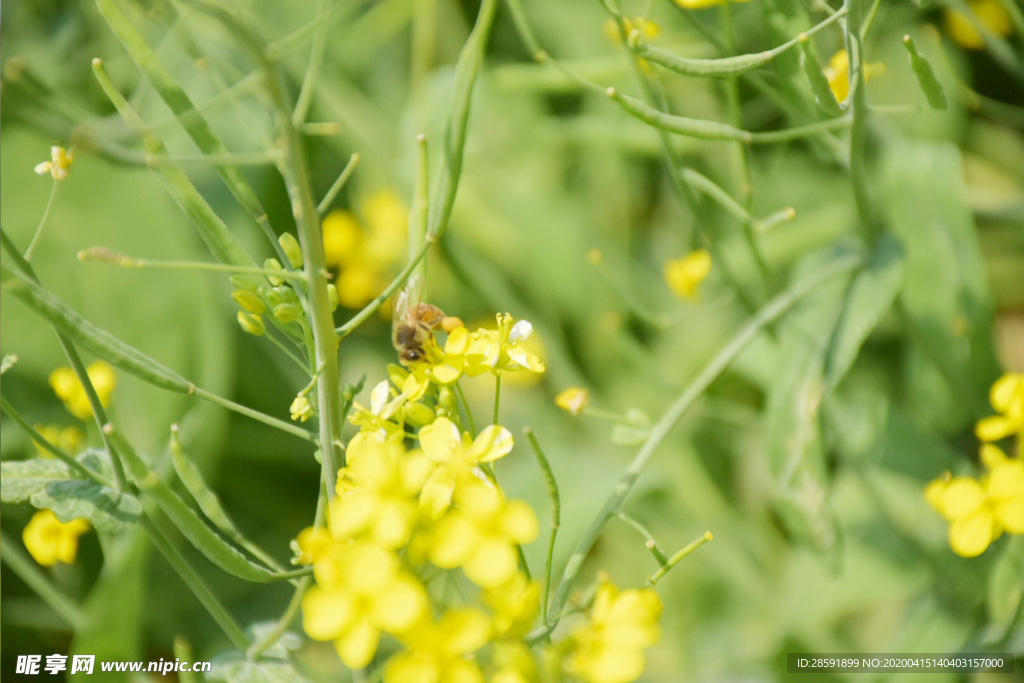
[[50, 540], [418, 512], [66, 385], [991, 14], [685, 275], [980, 510], [365, 250], [68, 439]]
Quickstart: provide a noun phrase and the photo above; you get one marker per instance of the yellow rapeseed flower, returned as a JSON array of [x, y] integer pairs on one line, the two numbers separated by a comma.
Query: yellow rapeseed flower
[[573, 399], [702, 4], [60, 162], [458, 457], [50, 540], [301, 409], [837, 71], [65, 384], [440, 651], [68, 439], [515, 605], [609, 647], [480, 534], [990, 13], [383, 417], [1007, 398], [685, 275], [361, 591]]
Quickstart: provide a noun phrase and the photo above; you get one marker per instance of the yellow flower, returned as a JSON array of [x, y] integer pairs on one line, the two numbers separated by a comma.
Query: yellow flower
[[685, 275], [504, 349], [65, 384], [648, 29], [1007, 397], [514, 663], [837, 71], [439, 652], [361, 591], [457, 457], [701, 4], [68, 439], [383, 417], [608, 648], [480, 534], [60, 162], [980, 510], [515, 606], [377, 493], [50, 540], [301, 409], [573, 399], [990, 13], [310, 545]]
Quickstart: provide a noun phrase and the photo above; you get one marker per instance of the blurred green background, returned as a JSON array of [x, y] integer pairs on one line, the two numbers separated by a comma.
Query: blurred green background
[[551, 172]]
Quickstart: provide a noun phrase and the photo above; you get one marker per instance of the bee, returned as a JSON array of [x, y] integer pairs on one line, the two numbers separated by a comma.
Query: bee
[[413, 322]]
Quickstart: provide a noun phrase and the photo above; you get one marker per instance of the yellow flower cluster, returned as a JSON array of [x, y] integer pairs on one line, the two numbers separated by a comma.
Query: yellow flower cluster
[[364, 251], [60, 162], [702, 4], [685, 275], [69, 389], [837, 71], [68, 439], [980, 510], [417, 507], [989, 13], [49, 540]]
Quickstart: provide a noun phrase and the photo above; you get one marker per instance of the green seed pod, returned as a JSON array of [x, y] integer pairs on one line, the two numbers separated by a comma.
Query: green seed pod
[[253, 324], [274, 264], [291, 249], [249, 283], [287, 313], [926, 77], [332, 297], [448, 400], [823, 94], [248, 301]]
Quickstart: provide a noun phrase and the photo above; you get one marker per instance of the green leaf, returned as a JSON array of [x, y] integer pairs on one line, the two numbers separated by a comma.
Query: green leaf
[[872, 294], [273, 666], [1006, 585], [19, 479]]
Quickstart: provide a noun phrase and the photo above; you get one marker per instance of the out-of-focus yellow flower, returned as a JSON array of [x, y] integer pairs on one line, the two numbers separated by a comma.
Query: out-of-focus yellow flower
[[480, 534], [361, 591], [457, 457], [65, 384], [573, 399], [378, 491], [68, 439], [60, 162], [609, 647], [310, 544], [648, 29], [513, 663], [837, 71], [1007, 398], [979, 511], [50, 540], [685, 275], [990, 13], [302, 409], [701, 4], [440, 651], [515, 605], [365, 251]]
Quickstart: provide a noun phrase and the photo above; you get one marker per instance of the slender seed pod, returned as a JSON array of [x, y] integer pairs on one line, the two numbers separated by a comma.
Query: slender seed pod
[[823, 94], [926, 77]]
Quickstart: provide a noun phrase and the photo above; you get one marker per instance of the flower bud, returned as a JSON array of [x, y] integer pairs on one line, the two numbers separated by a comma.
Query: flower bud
[[302, 409], [446, 399], [253, 324], [332, 297], [249, 283], [248, 301], [274, 264], [573, 399], [291, 248], [418, 415], [287, 313], [281, 295]]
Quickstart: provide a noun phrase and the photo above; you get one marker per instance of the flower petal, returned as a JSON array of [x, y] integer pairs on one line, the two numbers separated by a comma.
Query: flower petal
[[357, 647], [969, 536], [454, 541], [326, 614], [492, 443], [493, 563], [440, 440]]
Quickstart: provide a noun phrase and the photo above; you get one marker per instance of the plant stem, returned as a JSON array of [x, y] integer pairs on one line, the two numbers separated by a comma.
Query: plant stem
[[858, 129], [649, 541], [465, 405], [114, 258], [283, 623], [332, 193], [556, 516], [42, 221], [675, 559], [316, 58], [34, 578], [497, 397], [718, 365]]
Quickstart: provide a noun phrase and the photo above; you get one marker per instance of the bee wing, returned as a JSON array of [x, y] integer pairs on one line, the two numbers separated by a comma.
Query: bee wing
[[404, 302]]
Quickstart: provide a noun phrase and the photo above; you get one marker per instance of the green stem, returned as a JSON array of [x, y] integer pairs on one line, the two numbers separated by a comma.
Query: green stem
[[497, 397], [183, 651], [465, 405], [556, 516], [316, 58], [675, 559], [49, 447], [114, 258], [256, 415], [332, 193], [858, 130], [283, 623], [649, 541], [718, 365], [34, 578], [42, 221], [195, 584]]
